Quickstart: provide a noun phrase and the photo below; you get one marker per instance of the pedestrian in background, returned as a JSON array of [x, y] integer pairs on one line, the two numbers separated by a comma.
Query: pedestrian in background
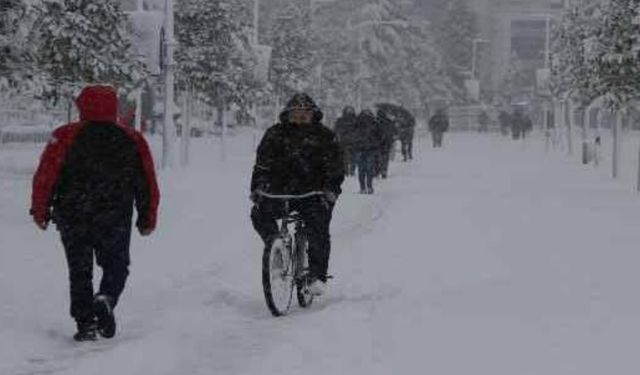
[[366, 146], [345, 131], [438, 125]]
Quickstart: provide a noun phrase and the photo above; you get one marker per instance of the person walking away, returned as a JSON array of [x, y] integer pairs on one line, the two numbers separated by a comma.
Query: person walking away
[[366, 147], [483, 122], [527, 124], [438, 125], [344, 129], [520, 124], [406, 130], [90, 175], [296, 156], [388, 136], [504, 118]]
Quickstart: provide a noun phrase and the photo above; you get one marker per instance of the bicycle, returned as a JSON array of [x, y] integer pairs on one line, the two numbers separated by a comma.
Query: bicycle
[[285, 262]]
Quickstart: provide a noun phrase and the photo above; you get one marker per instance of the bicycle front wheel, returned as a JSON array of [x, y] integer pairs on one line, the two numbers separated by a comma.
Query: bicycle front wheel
[[278, 277]]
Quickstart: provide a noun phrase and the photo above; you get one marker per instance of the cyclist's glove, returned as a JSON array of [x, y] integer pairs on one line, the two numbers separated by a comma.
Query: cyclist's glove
[[331, 197], [255, 196]]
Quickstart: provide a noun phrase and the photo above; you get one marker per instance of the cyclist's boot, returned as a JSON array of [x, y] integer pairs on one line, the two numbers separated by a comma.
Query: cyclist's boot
[[103, 308], [317, 287]]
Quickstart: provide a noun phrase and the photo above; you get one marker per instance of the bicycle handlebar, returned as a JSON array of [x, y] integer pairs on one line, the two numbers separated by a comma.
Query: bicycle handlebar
[[286, 197]]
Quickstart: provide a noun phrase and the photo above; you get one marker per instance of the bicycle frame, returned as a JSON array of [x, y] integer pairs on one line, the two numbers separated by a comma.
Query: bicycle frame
[[294, 251], [290, 241], [290, 217]]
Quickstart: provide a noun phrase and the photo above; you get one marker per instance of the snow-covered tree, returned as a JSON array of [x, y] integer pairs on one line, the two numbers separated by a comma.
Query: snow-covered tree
[[595, 52], [572, 52], [82, 41], [14, 54], [615, 58], [371, 52], [456, 30], [214, 55], [423, 70], [517, 78], [291, 60]]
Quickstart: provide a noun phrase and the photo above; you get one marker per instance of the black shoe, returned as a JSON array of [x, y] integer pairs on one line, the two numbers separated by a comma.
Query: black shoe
[[370, 191], [103, 308], [86, 332]]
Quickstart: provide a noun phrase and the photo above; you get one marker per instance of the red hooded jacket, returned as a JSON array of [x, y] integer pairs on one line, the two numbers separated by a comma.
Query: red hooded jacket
[[95, 169]]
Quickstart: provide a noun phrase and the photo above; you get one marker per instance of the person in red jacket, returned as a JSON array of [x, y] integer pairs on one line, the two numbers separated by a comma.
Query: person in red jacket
[[91, 174]]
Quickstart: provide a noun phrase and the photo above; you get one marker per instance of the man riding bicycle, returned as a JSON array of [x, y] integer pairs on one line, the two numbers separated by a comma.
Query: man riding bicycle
[[299, 155]]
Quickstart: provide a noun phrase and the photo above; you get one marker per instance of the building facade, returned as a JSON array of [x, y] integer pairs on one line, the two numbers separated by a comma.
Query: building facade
[[518, 34]]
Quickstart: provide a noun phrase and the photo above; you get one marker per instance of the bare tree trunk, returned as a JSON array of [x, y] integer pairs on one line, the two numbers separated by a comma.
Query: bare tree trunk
[[186, 129], [69, 108], [223, 130], [638, 180], [567, 117], [586, 121], [138, 116], [616, 145]]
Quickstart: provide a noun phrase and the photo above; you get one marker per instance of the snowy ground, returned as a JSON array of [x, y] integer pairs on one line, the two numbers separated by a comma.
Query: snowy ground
[[487, 258]]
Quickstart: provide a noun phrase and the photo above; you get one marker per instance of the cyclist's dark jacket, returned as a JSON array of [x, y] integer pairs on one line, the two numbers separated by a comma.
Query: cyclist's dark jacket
[[297, 159], [93, 171]]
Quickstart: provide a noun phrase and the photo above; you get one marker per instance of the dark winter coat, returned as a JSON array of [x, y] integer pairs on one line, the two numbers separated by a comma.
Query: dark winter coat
[[483, 119], [505, 119], [388, 130], [521, 122], [92, 171], [345, 129], [298, 159], [406, 132], [369, 136], [439, 123], [406, 127]]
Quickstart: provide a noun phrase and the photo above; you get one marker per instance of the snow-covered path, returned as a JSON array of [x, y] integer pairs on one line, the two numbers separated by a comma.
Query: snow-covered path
[[483, 258]]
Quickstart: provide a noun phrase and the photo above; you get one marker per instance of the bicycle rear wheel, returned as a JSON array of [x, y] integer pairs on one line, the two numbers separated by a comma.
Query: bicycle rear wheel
[[305, 299], [278, 277]]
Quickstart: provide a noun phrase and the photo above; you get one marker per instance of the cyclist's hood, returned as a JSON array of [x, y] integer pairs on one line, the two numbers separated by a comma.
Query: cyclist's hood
[[301, 100]]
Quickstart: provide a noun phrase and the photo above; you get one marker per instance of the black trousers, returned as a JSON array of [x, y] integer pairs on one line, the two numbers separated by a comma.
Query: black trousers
[[366, 162], [349, 161], [384, 158], [110, 246], [315, 212], [407, 147], [437, 138]]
